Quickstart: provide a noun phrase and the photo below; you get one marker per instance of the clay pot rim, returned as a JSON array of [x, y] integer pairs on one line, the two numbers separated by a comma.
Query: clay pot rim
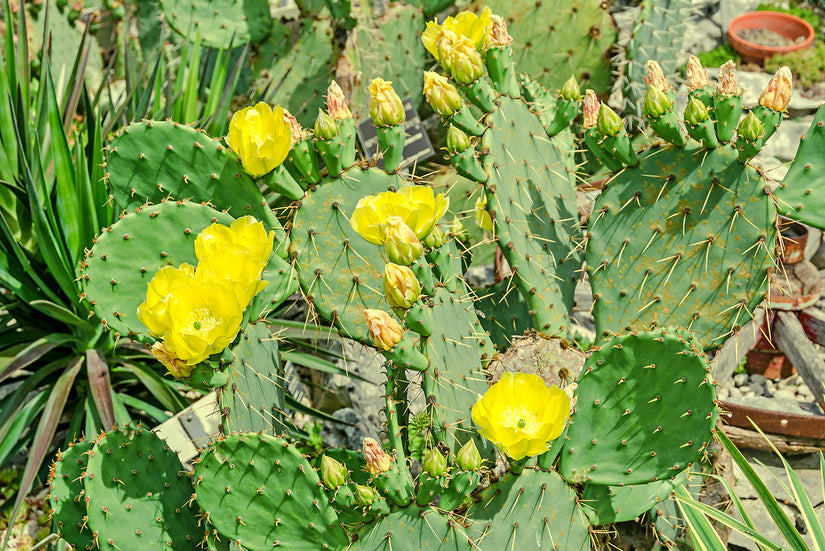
[[765, 20]]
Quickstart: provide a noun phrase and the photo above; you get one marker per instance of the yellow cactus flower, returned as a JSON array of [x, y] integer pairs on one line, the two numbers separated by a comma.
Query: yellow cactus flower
[[417, 207], [465, 62], [153, 312], [521, 415], [237, 269], [475, 27], [384, 331], [246, 234], [401, 287], [172, 363], [386, 108], [656, 78], [261, 137], [377, 460], [777, 95], [483, 218]]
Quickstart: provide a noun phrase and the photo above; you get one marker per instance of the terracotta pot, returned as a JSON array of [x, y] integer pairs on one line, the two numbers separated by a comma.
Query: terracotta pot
[[787, 25]]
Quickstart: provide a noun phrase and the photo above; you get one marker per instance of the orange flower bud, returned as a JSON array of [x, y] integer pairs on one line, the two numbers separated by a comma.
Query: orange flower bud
[[777, 94], [378, 461], [385, 332]]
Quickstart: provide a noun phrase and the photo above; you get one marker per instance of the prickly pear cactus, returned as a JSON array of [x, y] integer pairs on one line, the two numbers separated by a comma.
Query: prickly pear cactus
[[219, 23], [66, 494], [527, 175]]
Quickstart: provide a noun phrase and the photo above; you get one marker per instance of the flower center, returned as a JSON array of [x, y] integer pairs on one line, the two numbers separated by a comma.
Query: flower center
[[200, 323], [521, 419]]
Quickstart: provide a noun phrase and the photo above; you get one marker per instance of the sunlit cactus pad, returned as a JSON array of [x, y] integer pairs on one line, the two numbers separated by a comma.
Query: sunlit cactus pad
[[219, 23]]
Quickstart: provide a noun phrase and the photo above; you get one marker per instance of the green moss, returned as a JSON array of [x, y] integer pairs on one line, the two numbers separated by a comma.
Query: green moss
[[807, 66], [719, 55]]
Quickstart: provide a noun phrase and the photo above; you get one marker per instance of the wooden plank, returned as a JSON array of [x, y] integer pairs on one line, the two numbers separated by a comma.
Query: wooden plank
[[752, 440], [790, 337], [730, 355], [813, 322]]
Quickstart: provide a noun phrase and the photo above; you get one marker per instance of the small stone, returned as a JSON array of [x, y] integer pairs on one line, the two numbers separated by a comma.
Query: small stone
[[785, 394], [757, 379], [735, 392], [748, 394], [740, 379], [722, 394], [768, 391]]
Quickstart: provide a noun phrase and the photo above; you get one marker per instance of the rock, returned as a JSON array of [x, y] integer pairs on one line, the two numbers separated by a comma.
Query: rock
[[480, 276], [740, 379], [701, 35], [722, 393], [734, 392], [785, 142], [768, 391], [748, 394], [757, 379], [785, 394]]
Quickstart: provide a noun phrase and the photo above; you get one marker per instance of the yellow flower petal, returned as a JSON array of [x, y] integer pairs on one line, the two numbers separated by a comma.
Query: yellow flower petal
[[261, 138]]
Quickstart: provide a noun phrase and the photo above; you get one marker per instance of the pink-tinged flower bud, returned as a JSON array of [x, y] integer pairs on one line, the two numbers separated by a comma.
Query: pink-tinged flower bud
[[656, 103], [325, 126], [468, 458], [498, 33], [441, 94], [465, 62], [655, 78], [727, 84], [777, 94], [591, 109], [296, 131], [750, 128], [609, 123], [697, 76], [384, 331], [401, 287], [378, 461], [333, 473], [364, 495], [570, 90], [386, 108], [174, 365], [433, 463], [400, 242], [336, 104]]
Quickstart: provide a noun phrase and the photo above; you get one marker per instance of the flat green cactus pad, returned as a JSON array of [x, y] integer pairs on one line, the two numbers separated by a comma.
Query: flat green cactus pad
[[66, 494], [219, 22], [684, 238], [555, 39], [608, 504], [260, 492], [412, 529], [503, 313], [535, 510], [645, 410]]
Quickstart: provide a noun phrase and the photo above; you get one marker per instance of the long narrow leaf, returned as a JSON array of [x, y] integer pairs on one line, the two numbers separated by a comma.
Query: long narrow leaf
[[740, 507], [34, 352], [43, 436], [157, 414], [316, 363], [17, 425], [101, 387], [298, 406], [168, 398], [702, 534]]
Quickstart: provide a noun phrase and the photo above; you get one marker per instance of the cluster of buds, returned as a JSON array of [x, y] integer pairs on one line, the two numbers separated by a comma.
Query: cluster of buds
[[441, 94], [386, 108]]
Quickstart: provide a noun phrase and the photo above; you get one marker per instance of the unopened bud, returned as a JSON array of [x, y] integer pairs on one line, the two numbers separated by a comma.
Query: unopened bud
[[441, 94], [336, 103], [697, 76], [400, 242], [364, 495], [696, 112], [378, 461], [401, 287], [591, 109], [727, 84], [386, 108], [498, 33], [656, 103], [384, 331], [458, 231], [333, 473], [435, 239], [468, 458], [325, 126], [655, 78], [457, 140], [465, 62], [750, 128], [174, 365], [570, 90], [445, 42], [609, 123], [434, 463], [777, 94], [296, 132]]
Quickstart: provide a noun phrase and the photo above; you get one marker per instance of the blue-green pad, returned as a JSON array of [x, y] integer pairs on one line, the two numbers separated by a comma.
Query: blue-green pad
[[609, 504], [219, 23], [413, 529], [66, 494], [645, 410]]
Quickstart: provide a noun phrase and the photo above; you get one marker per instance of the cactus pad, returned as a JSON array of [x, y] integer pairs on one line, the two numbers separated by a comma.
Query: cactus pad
[[140, 497], [66, 494], [684, 238], [219, 23], [411, 529], [503, 313], [645, 410], [259, 492], [155, 160], [608, 504]]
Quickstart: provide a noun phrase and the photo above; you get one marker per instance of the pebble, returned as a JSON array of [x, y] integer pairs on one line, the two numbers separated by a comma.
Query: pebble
[[785, 394], [779, 392], [740, 379]]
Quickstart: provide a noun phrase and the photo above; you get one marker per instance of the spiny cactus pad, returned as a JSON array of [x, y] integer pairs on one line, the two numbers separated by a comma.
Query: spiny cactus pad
[[140, 497], [219, 22], [155, 160], [66, 494], [683, 238], [557, 38], [608, 504], [412, 529], [127, 255], [796, 196], [253, 398], [297, 60], [259, 492], [503, 312], [645, 410], [535, 510]]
